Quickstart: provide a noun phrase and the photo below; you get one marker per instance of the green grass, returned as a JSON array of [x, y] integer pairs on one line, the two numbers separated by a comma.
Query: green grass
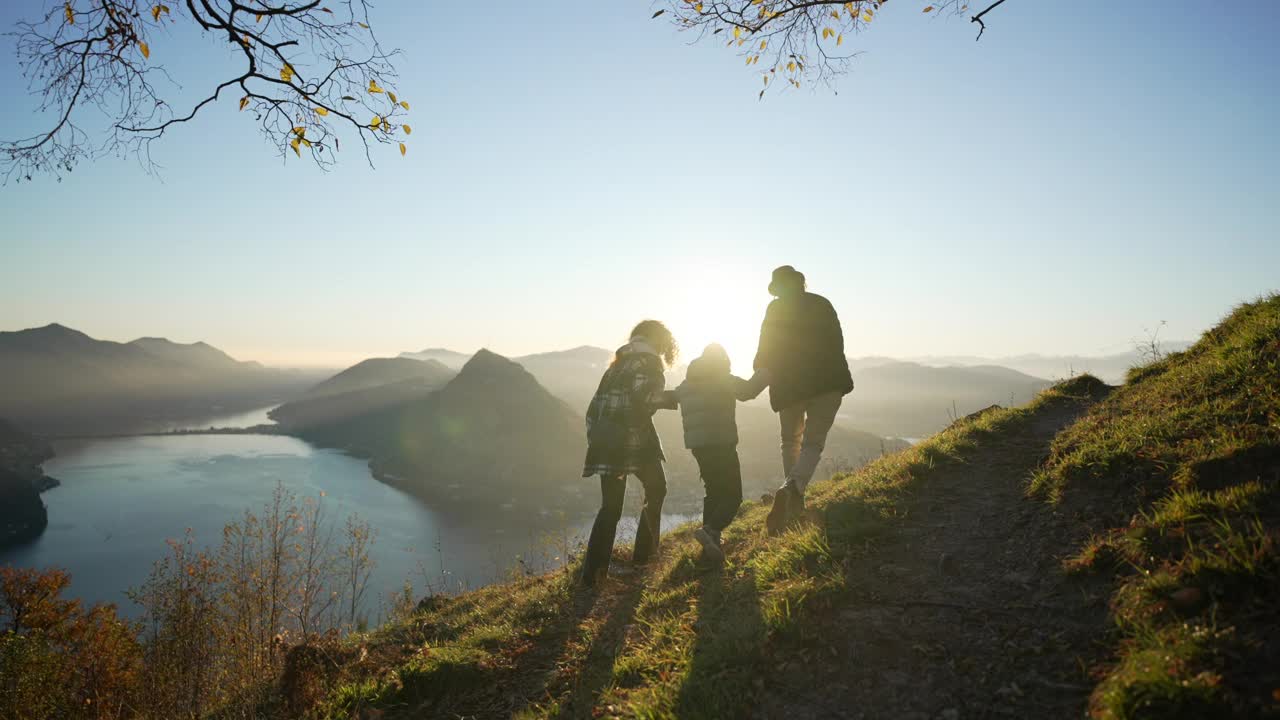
[[1187, 458]]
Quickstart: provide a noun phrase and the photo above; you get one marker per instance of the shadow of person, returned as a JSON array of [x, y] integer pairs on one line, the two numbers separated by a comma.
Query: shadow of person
[[616, 603], [729, 645]]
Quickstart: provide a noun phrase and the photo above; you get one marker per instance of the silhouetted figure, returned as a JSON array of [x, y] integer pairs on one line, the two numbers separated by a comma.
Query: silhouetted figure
[[802, 347], [622, 441], [708, 400]]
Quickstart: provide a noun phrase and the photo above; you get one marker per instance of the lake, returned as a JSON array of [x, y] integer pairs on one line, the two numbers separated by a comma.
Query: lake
[[121, 498]]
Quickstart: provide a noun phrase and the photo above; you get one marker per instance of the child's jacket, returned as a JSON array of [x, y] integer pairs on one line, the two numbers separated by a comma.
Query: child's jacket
[[708, 401]]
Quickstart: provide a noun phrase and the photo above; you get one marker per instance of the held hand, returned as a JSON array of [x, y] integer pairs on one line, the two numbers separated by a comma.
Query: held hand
[[666, 400]]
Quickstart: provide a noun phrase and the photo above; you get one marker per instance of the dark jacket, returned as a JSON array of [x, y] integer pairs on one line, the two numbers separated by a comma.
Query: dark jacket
[[620, 433], [802, 346], [708, 400]]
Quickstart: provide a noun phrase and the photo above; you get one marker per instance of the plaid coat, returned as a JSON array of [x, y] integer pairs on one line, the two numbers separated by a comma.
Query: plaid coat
[[620, 433]]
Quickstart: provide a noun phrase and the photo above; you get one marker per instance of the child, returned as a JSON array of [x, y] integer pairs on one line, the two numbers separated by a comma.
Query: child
[[708, 406]]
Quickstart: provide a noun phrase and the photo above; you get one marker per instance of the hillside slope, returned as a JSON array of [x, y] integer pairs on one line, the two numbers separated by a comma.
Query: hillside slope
[[1097, 551]]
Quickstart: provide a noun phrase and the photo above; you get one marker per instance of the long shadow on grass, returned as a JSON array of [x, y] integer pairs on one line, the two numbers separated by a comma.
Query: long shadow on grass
[[596, 668], [464, 681], [729, 646]]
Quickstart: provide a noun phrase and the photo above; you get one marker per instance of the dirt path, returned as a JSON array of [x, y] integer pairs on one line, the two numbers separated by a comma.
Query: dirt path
[[961, 610]]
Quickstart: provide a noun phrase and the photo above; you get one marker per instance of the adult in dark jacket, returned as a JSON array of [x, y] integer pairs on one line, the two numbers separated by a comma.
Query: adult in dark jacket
[[802, 348]]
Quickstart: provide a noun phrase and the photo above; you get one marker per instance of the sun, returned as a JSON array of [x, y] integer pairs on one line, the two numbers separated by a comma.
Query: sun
[[721, 307]]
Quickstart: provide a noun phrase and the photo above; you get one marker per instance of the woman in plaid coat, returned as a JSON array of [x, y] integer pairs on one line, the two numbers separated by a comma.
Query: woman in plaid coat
[[622, 441]]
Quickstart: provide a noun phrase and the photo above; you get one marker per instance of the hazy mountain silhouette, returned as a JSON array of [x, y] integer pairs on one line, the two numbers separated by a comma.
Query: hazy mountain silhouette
[[571, 375], [374, 372], [55, 379], [903, 399], [196, 355], [448, 358], [492, 435], [1111, 368]]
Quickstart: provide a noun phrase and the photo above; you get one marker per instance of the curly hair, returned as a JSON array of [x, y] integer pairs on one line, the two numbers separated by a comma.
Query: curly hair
[[659, 336]]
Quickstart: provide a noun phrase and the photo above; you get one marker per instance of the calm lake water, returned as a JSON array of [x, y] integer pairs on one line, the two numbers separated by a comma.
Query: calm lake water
[[121, 498]]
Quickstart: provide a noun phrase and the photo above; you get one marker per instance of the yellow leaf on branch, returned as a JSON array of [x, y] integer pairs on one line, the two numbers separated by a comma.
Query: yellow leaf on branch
[[71, 15], [321, 111], [404, 104], [403, 149], [286, 72], [294, 144], [928, 8], [244, 101], [376, 122], [146, 51], [407, 130], [393, 97], [374, 88]]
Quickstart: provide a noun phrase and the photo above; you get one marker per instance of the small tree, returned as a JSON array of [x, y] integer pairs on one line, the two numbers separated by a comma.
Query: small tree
[[59, 660], [309, 72]]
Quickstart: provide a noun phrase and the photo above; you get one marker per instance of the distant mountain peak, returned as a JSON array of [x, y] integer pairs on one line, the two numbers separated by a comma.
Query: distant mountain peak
[[487, 362], [54, 330]]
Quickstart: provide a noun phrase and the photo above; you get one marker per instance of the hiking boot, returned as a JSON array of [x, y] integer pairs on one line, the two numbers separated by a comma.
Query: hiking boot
[[787, 506], [710, 542]]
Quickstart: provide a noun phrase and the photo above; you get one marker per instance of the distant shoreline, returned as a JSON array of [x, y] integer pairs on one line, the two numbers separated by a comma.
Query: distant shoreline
[[252, 430]]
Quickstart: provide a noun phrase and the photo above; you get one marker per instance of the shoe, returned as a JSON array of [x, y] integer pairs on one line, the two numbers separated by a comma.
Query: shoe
[[780, 514], [710, 542]]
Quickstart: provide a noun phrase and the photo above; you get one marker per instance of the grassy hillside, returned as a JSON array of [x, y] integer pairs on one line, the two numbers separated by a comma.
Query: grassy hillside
[[1181, 468], [1100, 551]]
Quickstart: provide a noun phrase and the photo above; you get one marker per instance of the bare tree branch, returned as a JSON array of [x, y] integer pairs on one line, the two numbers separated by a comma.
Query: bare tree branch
[[797, 41], [982, 27], [310, 74]]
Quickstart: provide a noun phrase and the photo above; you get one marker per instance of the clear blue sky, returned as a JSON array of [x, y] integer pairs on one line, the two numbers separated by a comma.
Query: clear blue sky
[[1085, 171]]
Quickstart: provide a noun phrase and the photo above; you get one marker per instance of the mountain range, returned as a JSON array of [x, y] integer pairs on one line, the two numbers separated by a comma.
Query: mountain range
[[56, 380], [1111, 368], [496, 432], [892, 398], [448, 424]]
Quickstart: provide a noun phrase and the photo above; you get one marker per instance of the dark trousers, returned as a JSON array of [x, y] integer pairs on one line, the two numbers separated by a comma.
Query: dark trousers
[[722, 479], [613, 490]]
